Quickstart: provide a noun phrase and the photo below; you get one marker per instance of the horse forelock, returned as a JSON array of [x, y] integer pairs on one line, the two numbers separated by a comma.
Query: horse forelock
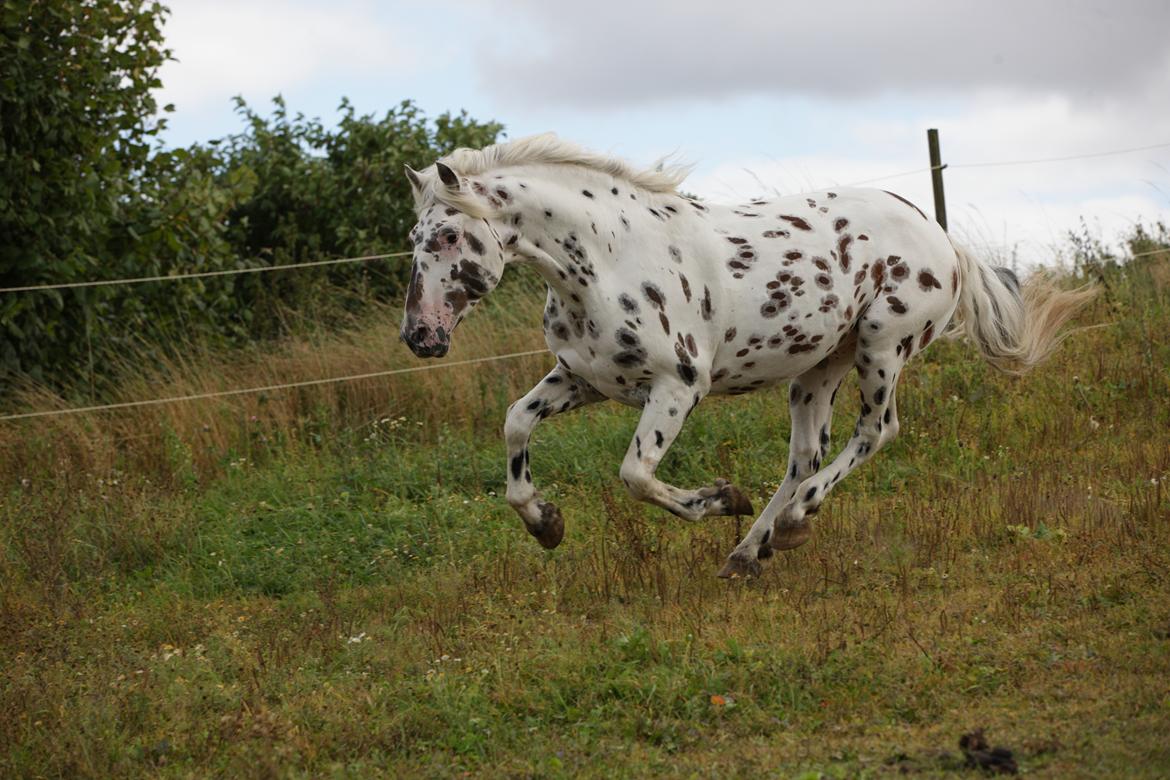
[[544, 149]]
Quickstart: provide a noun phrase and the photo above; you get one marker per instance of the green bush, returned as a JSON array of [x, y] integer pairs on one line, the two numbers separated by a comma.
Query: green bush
[[87, 192]]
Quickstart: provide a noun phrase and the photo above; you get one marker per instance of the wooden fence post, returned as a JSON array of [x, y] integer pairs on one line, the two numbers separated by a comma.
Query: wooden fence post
[[936, 178]]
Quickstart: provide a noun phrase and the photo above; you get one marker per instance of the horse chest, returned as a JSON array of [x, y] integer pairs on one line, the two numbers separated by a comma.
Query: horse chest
[[612, 347]]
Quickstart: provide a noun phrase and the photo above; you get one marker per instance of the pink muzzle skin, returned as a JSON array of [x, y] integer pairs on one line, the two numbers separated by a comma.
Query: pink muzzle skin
[[428, 332]]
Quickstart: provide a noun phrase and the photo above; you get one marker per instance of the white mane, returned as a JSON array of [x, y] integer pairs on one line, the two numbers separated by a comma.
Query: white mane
[[548, 149]]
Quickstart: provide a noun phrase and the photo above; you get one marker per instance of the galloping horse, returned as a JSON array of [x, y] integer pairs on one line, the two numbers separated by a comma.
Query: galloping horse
[[656, 300]]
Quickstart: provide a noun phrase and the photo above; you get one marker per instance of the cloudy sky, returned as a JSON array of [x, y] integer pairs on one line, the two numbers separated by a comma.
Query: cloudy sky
[[764, 97]]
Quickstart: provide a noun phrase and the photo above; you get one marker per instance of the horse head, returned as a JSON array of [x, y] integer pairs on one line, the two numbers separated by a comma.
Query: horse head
[[458, 259]]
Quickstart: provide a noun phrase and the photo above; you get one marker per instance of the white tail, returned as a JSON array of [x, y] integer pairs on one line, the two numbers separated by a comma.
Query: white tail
[[1015, 326]]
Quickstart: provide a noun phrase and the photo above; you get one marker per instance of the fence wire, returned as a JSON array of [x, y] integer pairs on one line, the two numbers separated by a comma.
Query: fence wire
[[202, 274], [268, 388], [388, 255]]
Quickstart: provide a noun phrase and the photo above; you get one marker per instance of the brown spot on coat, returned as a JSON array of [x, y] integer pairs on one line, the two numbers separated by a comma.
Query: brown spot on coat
[[843, 251], [927, 281], [796, 222]]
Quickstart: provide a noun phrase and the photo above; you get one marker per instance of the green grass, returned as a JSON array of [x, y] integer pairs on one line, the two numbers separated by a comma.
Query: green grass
[[365, 603]]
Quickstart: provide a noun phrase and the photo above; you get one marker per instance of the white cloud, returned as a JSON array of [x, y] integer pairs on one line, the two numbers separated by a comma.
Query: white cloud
[[258, 49], [1030, 207], [607, 53]]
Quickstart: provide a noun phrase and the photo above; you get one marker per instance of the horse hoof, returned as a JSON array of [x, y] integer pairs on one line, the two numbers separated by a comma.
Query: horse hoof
[[730, 498], [740, 568], [790, 537], [552, 526]]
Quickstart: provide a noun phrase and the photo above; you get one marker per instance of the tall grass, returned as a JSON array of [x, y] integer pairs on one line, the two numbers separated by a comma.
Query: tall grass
[[336, 587], [199, 438]]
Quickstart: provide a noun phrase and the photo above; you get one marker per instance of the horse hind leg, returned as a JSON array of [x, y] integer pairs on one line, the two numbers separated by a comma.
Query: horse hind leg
[[666, 409], [877, 425], [810, 404], [558, 392]]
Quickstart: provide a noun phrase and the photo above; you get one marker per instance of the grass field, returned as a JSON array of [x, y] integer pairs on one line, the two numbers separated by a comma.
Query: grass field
[[328, 583]]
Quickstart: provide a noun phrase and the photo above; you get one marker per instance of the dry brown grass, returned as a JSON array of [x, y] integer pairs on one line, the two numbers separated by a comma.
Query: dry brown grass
[[364, 606], [142, 440]]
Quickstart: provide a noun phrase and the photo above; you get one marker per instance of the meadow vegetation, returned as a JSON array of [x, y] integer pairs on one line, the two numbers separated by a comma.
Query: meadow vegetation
[[328, 582], [89, 192]]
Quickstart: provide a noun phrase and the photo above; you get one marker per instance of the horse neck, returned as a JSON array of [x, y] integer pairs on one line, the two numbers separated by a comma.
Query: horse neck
[[569, 221]]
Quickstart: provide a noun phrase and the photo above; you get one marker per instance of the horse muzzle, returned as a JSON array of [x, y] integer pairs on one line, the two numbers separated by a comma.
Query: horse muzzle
[[425, 342]]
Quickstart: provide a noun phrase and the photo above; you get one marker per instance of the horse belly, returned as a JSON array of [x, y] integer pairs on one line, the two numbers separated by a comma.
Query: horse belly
[[760, 352]]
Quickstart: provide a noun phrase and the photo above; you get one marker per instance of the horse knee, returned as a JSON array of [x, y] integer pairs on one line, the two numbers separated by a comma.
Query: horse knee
[[516, 428]]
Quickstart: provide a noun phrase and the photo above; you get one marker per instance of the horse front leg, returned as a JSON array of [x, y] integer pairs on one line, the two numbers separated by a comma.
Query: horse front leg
[[558, 392], [663, 416]]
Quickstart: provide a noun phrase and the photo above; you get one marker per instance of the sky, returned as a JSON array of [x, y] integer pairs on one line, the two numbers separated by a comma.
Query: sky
[[764, 98]]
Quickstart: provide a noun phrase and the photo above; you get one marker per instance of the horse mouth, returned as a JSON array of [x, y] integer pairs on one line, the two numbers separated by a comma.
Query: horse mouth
[[428, 350], [425, 343]]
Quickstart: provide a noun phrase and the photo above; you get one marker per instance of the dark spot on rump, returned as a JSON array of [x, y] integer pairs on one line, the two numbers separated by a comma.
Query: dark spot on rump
[[927, 281], [729, 335], [840, 224], [843, 251], [587, 193], [896, 305], [796, 222], [927, 335]]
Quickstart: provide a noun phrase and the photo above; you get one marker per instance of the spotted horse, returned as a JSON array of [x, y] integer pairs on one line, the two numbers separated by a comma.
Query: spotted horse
[[656, 300]]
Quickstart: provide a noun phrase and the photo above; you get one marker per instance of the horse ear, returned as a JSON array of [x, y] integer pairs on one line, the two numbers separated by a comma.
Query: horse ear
[[447, 176], [415, 181]]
